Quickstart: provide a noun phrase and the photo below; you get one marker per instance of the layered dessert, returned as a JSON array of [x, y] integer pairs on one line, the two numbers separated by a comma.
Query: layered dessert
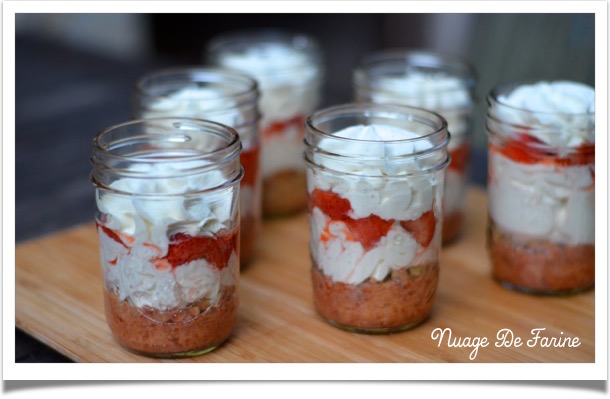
[[208, 97], [448, 95], [542, 187], [375, 232], [170, 260], [289, 75]]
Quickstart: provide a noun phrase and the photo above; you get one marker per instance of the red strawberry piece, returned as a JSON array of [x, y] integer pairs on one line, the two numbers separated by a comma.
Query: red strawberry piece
[[459, 158], [249, 160], [368, 231], [278, 128], [184, 248], [583, 155], [421, 229], [111, 234], [330, 203], [526, 149]]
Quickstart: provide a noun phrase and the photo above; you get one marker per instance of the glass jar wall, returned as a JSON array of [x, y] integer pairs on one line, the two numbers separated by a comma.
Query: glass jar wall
[[167, 195], [221, 96], [541, 186], [375, 181], [435, 82], [289, 72]]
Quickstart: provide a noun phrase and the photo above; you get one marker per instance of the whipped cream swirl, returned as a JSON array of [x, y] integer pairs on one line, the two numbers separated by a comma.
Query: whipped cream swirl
[[560, 113]]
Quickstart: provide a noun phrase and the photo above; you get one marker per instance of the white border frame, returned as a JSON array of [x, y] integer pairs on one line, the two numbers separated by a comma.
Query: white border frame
[[301, 371]]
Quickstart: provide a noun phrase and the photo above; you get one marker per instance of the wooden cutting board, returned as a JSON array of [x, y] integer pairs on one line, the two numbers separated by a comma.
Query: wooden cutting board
[[59, 301]]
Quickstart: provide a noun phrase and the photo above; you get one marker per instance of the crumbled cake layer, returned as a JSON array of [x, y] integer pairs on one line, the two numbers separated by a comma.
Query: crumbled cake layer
[[284, 192], [186, 331], [403, 299], [538, 265]]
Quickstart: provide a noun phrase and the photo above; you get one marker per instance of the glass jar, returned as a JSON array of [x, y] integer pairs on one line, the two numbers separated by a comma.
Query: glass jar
[[167, 219], [435, 82], [221, 96], [289, 73], [541, 186], [375, 176]]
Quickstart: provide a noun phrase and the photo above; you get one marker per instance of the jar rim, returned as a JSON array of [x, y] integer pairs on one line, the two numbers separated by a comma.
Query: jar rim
[[417, 58], [494, 94], [296, 40], [233, 144], [193, 161], [299, 42], [194, 74], [368, 109]]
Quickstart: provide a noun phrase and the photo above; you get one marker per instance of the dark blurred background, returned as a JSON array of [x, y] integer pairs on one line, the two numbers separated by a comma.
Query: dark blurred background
[[74, 76]]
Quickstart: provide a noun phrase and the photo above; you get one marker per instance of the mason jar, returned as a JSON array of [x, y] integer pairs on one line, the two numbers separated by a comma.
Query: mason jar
[[221, 96], [167, 215], [289, 72], [375, 176], [435, 82], [541, 186]]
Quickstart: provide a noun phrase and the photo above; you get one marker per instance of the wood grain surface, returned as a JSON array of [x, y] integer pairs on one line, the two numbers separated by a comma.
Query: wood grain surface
[[59, 301]]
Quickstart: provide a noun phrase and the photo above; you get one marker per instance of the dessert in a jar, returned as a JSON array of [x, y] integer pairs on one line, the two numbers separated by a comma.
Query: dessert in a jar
[[435, 82], [289, 73], [167, 196], [541, 186], [221, 96], [375, 177]]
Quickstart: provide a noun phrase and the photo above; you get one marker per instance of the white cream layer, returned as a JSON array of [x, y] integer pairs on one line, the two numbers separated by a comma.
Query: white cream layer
[[347, 261], [197, 102], [543, 201], [400, 196], [283, 152], [135, 277], [447, 95], [289, 80], [565, 109], [154, 218]]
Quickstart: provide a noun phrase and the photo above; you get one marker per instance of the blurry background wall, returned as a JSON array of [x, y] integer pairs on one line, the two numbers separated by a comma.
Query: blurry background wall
[[502, 47], [74, 74]]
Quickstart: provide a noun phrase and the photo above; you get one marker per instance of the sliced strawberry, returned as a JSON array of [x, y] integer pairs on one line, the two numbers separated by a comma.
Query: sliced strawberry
[[184, 248], [520, 152], [250, 161], [278, 128], [583, 155], [330, 203], [368, 231], [422, 229], [527, 149], [110, 233], [459, 158]]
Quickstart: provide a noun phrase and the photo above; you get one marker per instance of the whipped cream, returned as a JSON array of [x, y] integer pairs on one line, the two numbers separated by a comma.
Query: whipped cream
[[543, 201], [214, 104], [289, 79], [384, 186], [436, 91], [430, 90], [159, 212], [130, 272], [273, 64], [380, 188], [560, 113], [283, 152], [347, 261]]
